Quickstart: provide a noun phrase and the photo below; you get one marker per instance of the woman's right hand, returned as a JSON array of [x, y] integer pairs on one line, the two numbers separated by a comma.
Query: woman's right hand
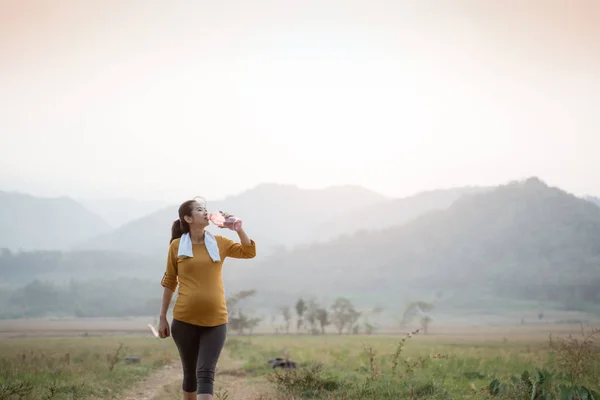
[[163, 328]]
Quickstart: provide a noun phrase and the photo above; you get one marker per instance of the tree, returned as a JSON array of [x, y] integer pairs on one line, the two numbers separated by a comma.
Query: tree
[[311, 316], [419, 309], [287, 317], [353, 318], [239, 320], [300, 309], [370, 327], [323, 318], [252, 323], [343, 314]]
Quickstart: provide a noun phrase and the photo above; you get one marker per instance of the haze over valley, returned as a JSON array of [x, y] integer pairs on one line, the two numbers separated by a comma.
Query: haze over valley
[[502, 252]]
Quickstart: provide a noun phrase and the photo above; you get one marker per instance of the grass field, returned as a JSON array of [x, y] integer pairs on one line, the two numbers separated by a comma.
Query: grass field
[[459, 367], [77, 367], [437, 366]]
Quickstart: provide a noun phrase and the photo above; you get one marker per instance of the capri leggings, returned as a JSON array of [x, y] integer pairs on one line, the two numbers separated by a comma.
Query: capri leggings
[[199, 348]]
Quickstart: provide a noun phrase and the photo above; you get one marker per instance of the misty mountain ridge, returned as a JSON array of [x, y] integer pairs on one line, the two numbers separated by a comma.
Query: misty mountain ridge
[[523, 242], [275, 215], [392, 212], [38, 223], [285, 216], [524, 239], [119, 211]]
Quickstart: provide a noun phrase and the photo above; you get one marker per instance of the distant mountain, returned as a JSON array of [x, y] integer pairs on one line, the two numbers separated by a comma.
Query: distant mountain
[[274, 215], [522, 240], [37, 223], [118, 212], [391, 212], [491, 251]]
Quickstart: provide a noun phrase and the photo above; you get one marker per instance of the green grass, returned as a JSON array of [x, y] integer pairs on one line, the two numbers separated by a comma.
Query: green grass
[[331, 367], [355, 367], [76, 367]]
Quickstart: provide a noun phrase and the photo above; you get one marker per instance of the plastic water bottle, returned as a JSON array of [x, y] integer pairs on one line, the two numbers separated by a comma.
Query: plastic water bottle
[[219, 220]]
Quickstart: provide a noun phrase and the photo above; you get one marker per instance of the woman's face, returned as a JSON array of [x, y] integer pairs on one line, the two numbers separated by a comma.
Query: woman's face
[[198, 217]]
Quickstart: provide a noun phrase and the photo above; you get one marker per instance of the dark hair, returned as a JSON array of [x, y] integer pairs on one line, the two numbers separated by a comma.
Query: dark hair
[[179, 226]]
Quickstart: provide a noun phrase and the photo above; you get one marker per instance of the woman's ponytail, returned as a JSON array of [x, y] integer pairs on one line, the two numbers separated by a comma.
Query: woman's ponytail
[[176, 231], [179, 226]]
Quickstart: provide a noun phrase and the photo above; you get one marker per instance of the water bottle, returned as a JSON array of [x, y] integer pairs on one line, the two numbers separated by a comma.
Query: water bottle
[[219, 220]]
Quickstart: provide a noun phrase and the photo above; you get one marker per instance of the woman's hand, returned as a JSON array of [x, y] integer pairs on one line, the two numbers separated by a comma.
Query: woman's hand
[[163, 328], [244, 239], [226, 215]]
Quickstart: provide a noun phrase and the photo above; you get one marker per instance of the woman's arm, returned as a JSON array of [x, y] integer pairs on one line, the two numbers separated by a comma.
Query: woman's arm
[[169, 282], [169, 279], [164, 331], [245, 249], [166, 302], [244, 239]]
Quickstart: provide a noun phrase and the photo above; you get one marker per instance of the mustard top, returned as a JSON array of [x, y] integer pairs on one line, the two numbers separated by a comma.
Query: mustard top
[[201, 296]]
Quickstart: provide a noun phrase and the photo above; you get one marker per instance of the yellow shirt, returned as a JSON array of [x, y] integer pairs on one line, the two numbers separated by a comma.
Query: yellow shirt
[[201, 296]]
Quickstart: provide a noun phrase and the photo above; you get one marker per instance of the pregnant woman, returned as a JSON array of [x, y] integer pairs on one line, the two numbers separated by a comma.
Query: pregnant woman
[[199, 326]]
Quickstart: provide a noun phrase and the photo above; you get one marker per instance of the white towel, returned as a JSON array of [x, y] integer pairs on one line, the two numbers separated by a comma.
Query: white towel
[[185, 246]]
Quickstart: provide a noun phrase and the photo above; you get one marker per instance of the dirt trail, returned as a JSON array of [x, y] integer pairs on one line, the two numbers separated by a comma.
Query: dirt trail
[[231, 383], [151, 387], [234, 383]]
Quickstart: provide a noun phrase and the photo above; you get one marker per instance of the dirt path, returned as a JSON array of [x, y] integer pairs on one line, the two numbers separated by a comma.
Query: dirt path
[[231, 383], [153, 385], [234, 383]]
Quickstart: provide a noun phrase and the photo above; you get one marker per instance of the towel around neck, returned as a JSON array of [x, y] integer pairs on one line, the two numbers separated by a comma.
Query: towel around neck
[[185, 246]]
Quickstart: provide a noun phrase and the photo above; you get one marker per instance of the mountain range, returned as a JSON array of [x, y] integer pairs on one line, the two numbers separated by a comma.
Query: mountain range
[[524, 239], [462, 247], [277, 216], [120, 211], [36, 223]]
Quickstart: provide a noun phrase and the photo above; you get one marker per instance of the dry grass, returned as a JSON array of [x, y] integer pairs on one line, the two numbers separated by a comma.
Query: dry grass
[[77, 368], [453, 365], [433, 367]]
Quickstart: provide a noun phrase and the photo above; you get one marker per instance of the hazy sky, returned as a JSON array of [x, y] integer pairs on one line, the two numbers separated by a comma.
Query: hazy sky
[[171, 99]]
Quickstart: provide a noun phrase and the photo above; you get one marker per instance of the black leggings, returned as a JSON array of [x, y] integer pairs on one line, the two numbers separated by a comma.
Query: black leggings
[[199, 348]]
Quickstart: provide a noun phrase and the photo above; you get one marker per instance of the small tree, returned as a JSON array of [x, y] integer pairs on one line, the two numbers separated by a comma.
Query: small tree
[[300, 309], [419, 309], [239, 320], [323, 318], [370, 327], [311, 316], [353, 318], [287, 317], [252, 323], [343, 314]]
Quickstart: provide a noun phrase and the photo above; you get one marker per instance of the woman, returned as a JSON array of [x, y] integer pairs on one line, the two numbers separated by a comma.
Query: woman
[[199, 327]]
